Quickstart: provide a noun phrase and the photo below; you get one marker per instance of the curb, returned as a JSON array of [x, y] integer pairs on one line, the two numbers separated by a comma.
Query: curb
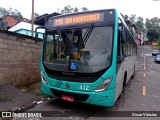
[[24, 108]]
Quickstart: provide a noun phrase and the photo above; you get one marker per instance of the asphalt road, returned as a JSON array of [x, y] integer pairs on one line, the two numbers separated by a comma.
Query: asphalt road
[[141, 94]]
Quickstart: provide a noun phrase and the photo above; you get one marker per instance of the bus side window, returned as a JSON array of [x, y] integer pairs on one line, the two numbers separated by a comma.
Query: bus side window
[[120, 48], [125, 44]]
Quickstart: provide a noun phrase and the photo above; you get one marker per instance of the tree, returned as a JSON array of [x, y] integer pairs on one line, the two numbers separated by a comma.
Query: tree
[[153, 28], [16, 13], [140, 19], [84, 9], [152, 34], [67, 9], [132, 18], [1, 8], [155, 23], [19, 16], [11, 11], [126, 17], [148, 24], [75, 9], [158, 42], [140, 25]]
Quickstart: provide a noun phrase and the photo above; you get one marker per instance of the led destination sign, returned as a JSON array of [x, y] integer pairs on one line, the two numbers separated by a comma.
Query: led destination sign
[[78, 19]]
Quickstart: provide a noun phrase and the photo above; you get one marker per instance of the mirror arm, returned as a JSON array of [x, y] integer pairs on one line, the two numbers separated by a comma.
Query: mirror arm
[[36, 33]]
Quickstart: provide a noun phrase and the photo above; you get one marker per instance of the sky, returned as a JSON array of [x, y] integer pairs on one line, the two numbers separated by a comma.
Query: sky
[[143, 8]]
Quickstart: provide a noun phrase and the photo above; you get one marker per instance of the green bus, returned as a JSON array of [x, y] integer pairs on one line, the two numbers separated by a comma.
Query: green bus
[[87, 57]]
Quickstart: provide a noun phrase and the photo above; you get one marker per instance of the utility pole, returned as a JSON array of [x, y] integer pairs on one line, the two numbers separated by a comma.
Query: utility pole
[[32, 16]]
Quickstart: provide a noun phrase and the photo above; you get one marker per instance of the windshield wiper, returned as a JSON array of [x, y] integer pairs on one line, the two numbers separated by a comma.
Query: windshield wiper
[[88, 33]]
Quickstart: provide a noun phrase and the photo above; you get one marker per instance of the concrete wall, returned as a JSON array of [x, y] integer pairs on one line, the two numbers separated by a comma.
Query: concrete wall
[[19, 59]]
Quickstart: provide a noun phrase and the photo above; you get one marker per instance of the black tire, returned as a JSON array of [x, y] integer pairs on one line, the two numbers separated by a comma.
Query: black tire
[[124, 81]]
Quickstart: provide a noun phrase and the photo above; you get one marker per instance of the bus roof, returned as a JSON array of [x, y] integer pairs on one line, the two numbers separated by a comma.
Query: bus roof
[[76, 13]]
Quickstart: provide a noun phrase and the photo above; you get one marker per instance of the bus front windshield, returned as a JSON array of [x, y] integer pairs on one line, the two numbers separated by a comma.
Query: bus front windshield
[[84, 50]]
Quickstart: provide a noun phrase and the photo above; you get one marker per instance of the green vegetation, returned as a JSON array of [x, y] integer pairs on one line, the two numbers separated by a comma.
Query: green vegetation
[[152, 34], [68, 9], [49, 55], [158, 44], [138, 21], [10, 11], [13, 12], [151, 27], [4, 98]]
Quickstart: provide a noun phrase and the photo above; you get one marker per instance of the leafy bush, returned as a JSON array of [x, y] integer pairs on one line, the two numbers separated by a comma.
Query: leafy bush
[[158, 44]]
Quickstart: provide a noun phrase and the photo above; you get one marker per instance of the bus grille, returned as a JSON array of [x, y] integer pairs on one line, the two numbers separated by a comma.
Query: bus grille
[[77, 96]]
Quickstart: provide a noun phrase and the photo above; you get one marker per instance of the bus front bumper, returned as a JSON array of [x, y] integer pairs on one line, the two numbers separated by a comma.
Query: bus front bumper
[[105, 98]]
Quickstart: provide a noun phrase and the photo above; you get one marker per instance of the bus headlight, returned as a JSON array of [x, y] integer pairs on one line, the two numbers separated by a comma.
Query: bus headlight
[[43, 78], [104, 85]]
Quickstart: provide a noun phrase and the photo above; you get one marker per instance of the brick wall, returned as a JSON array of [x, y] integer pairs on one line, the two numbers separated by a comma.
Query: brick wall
[[19, 59], [11, 20]]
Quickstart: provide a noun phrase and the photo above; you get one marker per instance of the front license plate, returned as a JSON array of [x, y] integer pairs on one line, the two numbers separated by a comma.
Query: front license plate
[[68, 98]]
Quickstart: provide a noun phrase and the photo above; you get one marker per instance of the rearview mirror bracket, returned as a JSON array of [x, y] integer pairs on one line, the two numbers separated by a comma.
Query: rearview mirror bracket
[[36, 33]]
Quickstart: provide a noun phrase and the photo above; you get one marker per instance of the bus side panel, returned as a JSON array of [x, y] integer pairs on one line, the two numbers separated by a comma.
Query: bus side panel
[[128, 67], [118, 76], [119, 80]]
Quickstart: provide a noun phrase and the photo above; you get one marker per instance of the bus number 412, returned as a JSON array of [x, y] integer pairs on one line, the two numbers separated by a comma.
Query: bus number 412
[[84, 87]]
